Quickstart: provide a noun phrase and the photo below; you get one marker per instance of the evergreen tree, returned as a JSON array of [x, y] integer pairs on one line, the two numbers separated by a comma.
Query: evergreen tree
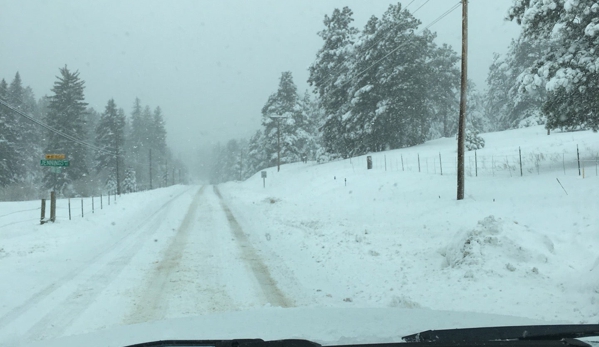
[[138, 141], [129, 183], [397, 93], [110, 136], [292, 123], [256, 158], [156, 138], [511, 101], [569, 67], [443, 86], [66, 112], [9, 155], [329, 75]]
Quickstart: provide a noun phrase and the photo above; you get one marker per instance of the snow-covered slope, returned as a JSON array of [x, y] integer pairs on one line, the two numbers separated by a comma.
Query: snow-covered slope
[[342, 235]]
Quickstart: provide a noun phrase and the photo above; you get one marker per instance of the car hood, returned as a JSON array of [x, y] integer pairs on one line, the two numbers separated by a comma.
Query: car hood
[[325, 326]]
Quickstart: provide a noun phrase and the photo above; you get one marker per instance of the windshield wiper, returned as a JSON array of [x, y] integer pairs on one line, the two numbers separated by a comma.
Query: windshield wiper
[[511, 336], [528, 332]]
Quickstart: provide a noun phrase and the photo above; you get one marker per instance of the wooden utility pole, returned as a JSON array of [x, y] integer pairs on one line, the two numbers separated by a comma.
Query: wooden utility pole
[[277, 119], [150, 168], [464, 86], [278, 145]]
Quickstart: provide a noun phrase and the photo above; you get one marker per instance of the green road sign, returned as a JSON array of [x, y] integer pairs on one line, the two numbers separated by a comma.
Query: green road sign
[[55, 169], [54, 162]]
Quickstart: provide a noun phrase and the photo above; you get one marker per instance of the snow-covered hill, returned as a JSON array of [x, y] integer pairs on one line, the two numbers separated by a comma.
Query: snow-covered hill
[[517, 245]]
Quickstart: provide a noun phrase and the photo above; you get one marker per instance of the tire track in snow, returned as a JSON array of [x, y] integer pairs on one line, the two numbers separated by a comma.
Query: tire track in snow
[[59, 318], [154, 306], [260, 271]]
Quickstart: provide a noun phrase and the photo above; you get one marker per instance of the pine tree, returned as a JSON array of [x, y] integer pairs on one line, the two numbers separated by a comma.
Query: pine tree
[[569, 68], [66, 112], [257, 157], [443, 86], [284, 121], [329, 75], [110, 136], [9, 155], [129, 183], [511, 101]]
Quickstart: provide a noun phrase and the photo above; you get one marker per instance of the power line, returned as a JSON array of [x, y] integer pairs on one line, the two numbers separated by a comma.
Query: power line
[[54, 130], [435, 21], [421, 6], [369, 48], [411, 2]]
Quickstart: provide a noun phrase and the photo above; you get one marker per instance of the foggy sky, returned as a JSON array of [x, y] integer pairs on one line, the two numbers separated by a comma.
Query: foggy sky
[[209, 64]]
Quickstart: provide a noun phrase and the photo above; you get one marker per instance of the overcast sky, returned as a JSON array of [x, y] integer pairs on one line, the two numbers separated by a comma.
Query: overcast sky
[[209, 64]]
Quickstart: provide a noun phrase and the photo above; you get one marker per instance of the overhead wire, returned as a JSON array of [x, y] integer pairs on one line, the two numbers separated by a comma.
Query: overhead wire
[[56, 131], [372, 45], [421, 6], [435, 21]]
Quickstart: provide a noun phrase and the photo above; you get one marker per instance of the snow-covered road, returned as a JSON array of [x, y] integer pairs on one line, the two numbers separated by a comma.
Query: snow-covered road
[[184, 256]]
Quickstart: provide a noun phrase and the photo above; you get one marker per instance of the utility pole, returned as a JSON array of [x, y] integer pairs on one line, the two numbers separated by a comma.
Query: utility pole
[[277, 118], [118, 181], [150, 168], [464, 85]]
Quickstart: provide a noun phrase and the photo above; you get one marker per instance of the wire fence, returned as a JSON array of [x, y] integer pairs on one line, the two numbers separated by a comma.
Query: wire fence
[[514, 164]]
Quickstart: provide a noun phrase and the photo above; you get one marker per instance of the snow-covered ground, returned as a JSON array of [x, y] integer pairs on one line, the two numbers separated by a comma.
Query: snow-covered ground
[[320, 242], [517, 245]]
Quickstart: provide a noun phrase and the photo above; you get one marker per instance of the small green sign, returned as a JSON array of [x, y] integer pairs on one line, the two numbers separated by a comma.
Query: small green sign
[[55, 169], [44, 162]]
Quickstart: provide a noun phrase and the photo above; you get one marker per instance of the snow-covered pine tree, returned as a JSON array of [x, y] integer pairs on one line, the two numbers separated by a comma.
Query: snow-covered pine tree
[[256, 158], [129, 183], [390, 97], [66, 112], [511, 101], [330, 74], [110, 136], [9, 172], [293, 127], [569, 68], [443, 90], [138, 141]]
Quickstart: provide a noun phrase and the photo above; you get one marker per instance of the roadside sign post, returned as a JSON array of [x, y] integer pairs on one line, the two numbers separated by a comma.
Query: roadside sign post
[[263, 173], [55, 162]]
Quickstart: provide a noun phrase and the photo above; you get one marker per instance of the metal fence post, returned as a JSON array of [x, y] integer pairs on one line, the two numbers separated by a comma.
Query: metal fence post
[[520, 154]]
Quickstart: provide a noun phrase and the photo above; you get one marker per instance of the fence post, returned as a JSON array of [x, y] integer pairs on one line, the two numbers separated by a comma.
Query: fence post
[[402, 169], [93, 204], [101, 205], [440, 164], [564, 162], [43, 216], [69, 208], [108, 198], [81, 207], [418, 162], [53, 206], [578, 156], [520, 154], [385, 162], [475, 164]]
